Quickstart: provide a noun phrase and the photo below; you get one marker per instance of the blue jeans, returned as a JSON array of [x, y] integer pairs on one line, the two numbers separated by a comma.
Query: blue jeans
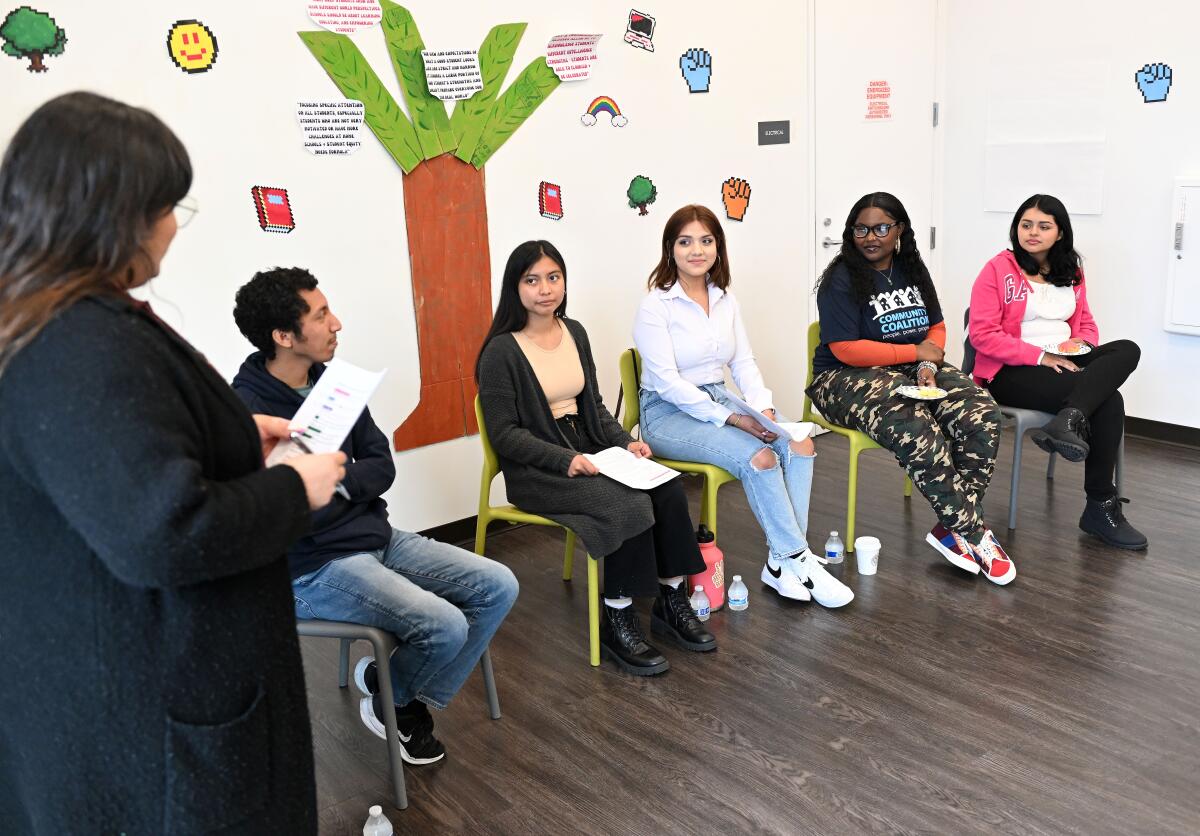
[[441, 602], [778, 496]]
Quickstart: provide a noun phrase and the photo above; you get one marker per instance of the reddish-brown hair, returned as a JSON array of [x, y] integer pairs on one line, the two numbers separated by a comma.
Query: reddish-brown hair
[[665, 273]]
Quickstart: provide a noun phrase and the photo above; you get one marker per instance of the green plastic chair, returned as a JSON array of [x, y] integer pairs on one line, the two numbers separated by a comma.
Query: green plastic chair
[[859, 441], [511, 513], [714, 477]]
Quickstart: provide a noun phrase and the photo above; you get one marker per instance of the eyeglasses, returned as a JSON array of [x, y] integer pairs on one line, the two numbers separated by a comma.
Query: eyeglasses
[[185, 210], [880, 230]]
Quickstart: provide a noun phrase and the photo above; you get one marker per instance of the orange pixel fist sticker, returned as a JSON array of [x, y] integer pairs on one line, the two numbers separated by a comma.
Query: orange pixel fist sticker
[[735, 193], [192, 46]]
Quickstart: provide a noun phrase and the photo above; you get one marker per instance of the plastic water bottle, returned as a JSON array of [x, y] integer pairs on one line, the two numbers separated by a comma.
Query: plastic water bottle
[[700, 603], [835, 551], [739, 596], [377, 824]]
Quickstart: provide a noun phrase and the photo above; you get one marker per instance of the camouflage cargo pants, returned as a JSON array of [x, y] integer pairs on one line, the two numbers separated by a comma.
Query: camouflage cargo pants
[[948, 447]]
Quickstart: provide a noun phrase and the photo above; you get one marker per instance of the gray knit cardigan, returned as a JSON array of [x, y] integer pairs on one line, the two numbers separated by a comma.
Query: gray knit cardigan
[[534, 455]]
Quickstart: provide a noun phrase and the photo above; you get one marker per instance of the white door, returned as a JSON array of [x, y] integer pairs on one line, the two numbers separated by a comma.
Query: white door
[[873, 97]]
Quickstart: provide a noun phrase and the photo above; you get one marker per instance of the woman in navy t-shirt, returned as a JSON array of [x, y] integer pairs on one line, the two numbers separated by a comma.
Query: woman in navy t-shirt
[[882, 329]]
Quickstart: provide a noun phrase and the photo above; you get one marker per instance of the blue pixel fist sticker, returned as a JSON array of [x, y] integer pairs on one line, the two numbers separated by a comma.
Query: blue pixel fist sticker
[[1154, 81], [696, 65]]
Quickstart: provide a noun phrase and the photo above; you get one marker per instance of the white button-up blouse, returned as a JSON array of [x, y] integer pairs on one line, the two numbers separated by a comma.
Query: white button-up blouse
[[682, 349]]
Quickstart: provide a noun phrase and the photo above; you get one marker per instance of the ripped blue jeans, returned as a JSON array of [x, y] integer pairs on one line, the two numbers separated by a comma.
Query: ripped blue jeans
[[778, 496]]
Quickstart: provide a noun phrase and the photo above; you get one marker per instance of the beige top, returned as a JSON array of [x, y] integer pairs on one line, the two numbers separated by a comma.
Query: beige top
[[558, 371]]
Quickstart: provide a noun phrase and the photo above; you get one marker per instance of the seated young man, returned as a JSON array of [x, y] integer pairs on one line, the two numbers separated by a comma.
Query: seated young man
[[442, 603]]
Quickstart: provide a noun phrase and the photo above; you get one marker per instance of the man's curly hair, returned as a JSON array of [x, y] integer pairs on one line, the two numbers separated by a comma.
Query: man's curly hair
[[269, 301]]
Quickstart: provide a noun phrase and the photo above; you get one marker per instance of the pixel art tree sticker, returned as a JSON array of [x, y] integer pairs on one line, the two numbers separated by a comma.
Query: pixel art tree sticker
[[445, 208], [641, 193], [28, 33]]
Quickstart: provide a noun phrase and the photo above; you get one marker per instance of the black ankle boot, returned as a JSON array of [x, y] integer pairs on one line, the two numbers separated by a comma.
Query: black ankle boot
[[1066, 434], [622, 640], [1104, 519], [672, 616]]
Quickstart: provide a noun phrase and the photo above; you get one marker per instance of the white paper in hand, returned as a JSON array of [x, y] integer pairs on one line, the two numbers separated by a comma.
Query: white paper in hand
[[620, 465], [795, 430], [329, 412]]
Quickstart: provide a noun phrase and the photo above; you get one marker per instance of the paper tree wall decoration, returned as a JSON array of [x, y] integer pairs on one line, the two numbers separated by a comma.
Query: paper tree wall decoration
[[444, 204]]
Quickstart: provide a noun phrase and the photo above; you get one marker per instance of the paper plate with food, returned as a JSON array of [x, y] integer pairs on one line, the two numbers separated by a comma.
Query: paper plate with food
[[1067, 348], [922, 393]]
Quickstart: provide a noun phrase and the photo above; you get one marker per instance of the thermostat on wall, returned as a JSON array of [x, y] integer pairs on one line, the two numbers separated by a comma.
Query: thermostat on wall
[[1183, 276]]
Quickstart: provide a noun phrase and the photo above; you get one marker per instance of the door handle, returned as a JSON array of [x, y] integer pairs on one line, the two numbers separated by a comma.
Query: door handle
[[829, 242]]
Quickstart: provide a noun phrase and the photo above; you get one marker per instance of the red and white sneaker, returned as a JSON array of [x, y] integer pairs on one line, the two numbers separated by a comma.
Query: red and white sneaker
[[997, 565], [953, 547]]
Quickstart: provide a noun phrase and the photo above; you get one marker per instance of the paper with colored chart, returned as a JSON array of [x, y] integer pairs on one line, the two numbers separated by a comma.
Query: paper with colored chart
[[571, 56], [329, 412], [619, 464], [795, 430]]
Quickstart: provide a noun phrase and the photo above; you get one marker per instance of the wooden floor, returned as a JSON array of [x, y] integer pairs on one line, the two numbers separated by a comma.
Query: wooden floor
[[934, 703]]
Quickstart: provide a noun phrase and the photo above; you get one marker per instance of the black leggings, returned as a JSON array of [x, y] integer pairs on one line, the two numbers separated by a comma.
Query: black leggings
[[666, 549], [1092, 390]]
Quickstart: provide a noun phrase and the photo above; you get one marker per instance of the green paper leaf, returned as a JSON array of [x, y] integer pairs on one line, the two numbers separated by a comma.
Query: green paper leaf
[[427, 111], [516, 105], [353, 75], [495, 57]]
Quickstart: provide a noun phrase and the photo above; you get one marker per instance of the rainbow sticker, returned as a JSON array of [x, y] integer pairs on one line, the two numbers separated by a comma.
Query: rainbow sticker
[[604, 104]]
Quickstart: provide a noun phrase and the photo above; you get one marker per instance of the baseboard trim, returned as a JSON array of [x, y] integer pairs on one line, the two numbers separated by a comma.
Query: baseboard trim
[[1161, 431]]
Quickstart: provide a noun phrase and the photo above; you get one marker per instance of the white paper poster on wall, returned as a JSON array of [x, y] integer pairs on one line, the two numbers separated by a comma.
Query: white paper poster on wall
[[1071, 171], [1047, 138], [330, 126], [452, 74]]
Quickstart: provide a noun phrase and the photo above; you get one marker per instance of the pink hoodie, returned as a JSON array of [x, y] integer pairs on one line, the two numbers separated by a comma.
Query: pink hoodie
[[997, 307]]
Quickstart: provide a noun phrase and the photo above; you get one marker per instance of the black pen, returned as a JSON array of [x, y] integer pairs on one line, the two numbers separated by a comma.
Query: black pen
[[298, 437]]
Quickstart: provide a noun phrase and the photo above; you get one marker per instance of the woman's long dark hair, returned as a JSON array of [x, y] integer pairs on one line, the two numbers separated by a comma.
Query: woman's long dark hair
[[862, 274], [1062, 260], [82, 184], [510, 313]]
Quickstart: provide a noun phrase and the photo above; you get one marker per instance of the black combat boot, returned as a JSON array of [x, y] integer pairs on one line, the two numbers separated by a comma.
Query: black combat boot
[[1066, 434]]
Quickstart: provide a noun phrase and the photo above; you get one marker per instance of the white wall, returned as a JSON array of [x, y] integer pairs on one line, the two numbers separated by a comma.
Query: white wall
[[238, 122], [1127, 247]]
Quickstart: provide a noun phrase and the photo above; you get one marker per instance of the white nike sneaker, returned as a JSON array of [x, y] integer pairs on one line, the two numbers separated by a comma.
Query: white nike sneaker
[[825, 589], [783, 580]]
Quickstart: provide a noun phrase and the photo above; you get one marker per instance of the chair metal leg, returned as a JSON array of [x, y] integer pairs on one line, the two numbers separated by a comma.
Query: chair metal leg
[[383, 652], [1050, 465], [344, 664], [851, 498], [569, 556], [907, 486], [1015, 486], [489, 684], [593, 611], [708, 506]]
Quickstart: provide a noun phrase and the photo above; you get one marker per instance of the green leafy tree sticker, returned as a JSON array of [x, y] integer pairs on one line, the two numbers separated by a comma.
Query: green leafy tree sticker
[[642, 192], [28, 33]]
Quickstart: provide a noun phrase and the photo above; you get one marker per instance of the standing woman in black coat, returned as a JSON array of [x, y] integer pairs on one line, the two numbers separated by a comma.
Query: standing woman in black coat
[[150, 675], [543, 411]]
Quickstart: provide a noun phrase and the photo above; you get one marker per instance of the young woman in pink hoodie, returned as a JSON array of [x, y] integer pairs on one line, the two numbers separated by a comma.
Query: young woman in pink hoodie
[[1029, 322]]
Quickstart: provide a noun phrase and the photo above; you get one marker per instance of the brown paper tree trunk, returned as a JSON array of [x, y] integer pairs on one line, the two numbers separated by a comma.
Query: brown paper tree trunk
[[446, 214]]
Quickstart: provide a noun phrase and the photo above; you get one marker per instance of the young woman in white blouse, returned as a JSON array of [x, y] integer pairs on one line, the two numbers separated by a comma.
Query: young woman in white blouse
[[688, 329], [1029, 321]]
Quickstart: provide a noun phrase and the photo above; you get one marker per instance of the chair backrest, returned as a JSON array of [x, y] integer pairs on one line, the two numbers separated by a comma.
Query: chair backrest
[[491, 464], [968, 363], [631, 363], [814, 339]]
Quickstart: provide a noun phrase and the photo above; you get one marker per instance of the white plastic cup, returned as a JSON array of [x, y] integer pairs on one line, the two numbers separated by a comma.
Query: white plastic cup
[[866, 552]]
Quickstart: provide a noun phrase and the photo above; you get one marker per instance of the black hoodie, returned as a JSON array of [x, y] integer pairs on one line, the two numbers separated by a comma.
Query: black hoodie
[[344, 526]]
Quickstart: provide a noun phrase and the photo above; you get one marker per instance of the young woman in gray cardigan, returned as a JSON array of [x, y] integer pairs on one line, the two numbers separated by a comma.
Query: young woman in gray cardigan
[[543, 411]]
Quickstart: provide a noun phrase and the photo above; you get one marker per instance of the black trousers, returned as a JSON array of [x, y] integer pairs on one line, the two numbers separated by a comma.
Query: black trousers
[[665, 550], [1092, 390]]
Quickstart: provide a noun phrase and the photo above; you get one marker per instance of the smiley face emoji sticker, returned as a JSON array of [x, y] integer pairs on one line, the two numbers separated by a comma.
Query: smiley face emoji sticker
[[192, 46]]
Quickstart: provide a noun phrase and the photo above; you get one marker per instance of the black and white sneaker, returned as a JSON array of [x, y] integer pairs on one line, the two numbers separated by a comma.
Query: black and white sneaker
[[414, 726], [366, 676]]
